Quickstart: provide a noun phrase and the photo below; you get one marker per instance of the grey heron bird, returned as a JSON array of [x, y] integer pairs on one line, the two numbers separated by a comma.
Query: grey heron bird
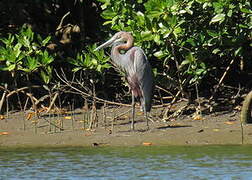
[[136, 67]]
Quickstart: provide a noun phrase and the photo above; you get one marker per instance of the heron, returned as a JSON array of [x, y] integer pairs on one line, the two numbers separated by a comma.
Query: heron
[[137, 70]]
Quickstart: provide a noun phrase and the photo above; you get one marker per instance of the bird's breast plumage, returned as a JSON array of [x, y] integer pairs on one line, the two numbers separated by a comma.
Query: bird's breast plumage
[[138, 74]]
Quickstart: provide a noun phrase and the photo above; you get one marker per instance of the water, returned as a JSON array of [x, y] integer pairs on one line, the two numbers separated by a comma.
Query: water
[[175, 162]]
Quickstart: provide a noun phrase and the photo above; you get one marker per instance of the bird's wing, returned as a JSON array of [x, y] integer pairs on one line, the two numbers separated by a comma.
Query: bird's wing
[[144, 75]]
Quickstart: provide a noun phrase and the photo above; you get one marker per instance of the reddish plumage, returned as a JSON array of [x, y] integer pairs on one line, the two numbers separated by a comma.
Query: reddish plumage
[[134, 86]]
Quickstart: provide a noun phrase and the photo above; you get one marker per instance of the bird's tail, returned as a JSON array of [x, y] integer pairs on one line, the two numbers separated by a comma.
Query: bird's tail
[[145, 103]]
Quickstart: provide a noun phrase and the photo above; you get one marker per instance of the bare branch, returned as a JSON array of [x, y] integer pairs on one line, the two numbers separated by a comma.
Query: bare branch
[[64, 80]]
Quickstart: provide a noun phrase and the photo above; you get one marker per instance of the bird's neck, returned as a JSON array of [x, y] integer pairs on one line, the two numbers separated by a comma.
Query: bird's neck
[[126, 46], [116, 54], [116, 49]]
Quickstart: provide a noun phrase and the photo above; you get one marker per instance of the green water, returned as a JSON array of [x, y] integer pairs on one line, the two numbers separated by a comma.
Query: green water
[[167, 162]]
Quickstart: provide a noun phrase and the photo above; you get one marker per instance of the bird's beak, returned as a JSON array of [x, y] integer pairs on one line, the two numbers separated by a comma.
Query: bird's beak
[[106, 44]]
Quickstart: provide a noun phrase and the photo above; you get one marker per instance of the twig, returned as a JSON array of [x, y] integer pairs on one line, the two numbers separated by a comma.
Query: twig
[[198, 109], [91, 118], [78, 91], [88, 95], [21, 89], [33, 104], [72, 120], [52, 102], [61, 21], [122, 114], [177, 66], [104, 116], [170, 105], [7, 106], [158, 87], [176, 113], [24, 124], [4, 88], [41, 99], [26, 102], [61, 120], [161, 99], [50, 123], [19, 101], [221, 80], [73, 110], [113, 120], [84, 119]]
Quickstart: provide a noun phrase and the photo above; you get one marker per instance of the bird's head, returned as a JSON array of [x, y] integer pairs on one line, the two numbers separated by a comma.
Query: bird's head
[[119, 38]]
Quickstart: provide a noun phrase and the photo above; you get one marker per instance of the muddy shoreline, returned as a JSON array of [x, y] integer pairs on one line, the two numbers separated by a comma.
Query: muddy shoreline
[[218, 129]]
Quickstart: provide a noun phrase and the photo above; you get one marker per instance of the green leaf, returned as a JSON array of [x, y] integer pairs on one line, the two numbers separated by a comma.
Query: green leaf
[[177, 31], [44, 77], [72, 61], [155, 14], [216, 51], [218, 7], [94, 62], [218, 18], [46, 40], [32, 63], [39, 38], [107, 22], [185, 62], [191, 41], [11, 67], [16, 50], [212, 33], [245, 10], [46, 74], [238, 51], [190, 57], [159, 54], [200, 71], [45, 58], [99, 67], [146, 35], [76, 69], [157, 39], [155, 71], [230, 12], [148, 22], [108, 14], [106, 66]]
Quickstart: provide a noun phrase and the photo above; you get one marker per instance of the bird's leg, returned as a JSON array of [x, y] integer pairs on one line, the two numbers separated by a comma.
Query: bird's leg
[[146, 118], [133, 112]]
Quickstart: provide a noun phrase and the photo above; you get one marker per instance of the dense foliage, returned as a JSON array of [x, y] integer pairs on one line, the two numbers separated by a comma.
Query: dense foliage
[[192, 38], [23, 53], [191, 44]]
